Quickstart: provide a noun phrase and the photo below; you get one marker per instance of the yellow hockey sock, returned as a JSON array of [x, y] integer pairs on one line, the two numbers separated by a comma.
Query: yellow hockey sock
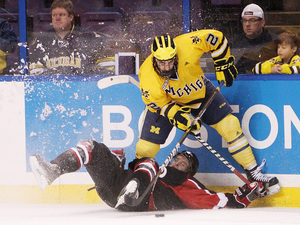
[[230, 129], [146, 149]]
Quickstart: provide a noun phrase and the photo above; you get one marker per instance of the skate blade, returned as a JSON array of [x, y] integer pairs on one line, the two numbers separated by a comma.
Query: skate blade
[[121, 201], [39, 177], [130, 188], [273, 189]]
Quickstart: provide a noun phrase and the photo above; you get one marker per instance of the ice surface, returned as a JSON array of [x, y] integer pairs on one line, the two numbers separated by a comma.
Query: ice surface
[[62, 214]]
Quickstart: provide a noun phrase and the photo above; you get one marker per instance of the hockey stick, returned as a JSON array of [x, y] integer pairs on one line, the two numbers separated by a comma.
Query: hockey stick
[[224, 161], [270, 191], [136, 201], [118, 79]]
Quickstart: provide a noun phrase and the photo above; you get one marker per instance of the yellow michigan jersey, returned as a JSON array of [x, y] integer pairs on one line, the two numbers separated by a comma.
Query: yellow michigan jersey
[[293, 67], [188, 88]]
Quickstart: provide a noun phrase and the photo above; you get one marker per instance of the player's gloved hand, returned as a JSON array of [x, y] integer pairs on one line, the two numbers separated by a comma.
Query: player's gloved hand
[[197, 132], [226, 70], [183, 119], [261, 190], [248, 193]]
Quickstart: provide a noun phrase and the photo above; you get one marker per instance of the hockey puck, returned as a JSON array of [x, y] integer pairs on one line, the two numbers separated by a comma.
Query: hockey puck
[[159, 215]]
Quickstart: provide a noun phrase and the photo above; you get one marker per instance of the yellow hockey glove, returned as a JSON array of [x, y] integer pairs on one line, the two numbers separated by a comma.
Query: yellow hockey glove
[[183, 119], [226, 70]]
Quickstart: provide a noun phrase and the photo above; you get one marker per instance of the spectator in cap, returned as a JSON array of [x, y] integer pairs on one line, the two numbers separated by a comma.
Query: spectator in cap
[[253, 22], [255, 44]]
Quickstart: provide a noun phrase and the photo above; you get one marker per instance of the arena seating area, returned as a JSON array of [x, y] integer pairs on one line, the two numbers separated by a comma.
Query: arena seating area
[[130, 25], [146, 18]]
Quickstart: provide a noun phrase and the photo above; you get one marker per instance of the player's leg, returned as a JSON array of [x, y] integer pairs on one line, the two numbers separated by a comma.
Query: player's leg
[[229, 128], [102, 165], [154, 132], [144, 171], [107, 173], [67, 162], [218, 115]]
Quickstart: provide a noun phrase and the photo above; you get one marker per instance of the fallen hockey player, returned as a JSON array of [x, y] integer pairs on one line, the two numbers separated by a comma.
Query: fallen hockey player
[[176, 188]]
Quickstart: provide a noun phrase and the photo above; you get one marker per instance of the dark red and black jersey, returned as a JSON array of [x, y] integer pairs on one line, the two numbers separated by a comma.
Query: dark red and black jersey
[[176, 190]]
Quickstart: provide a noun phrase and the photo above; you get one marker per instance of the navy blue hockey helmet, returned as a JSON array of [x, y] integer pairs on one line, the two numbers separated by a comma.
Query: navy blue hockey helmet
[[193, 160]]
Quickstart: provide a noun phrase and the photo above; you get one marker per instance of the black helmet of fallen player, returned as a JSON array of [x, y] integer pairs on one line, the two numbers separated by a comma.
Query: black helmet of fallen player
[[193, 160], [164, 48]]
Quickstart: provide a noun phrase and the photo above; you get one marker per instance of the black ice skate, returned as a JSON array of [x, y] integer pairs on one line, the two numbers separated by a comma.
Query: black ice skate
[[45, 173], [270, 183], [130, 191]]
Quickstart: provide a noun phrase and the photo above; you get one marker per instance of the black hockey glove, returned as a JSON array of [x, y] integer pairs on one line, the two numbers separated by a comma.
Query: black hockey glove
[[226, 70], [248, 193], [183, 119]]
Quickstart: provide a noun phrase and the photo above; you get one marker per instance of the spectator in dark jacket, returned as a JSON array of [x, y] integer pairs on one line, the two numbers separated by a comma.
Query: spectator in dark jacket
[[256, 43], [66, 49]]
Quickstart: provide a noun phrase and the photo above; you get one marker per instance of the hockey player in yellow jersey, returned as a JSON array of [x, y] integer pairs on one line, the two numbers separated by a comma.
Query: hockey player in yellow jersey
[[287, 61], [173, 86]]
